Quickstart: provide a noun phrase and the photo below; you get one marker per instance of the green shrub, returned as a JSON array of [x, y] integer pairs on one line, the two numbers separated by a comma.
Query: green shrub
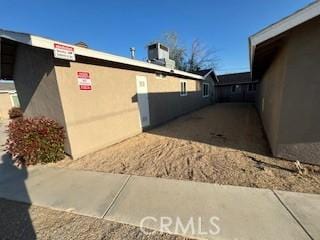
[[35, 140], [15, 112]]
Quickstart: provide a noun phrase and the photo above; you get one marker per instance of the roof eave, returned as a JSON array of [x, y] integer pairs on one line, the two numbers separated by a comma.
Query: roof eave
[[46, 43], [303, 15]]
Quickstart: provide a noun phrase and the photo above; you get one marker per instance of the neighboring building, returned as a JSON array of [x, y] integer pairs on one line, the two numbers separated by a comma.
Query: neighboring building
[[235, 87], [285, 58], [8, 98], [99, 98], [208, 87]]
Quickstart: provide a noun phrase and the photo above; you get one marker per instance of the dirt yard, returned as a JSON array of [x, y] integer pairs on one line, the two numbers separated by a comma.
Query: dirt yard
[[24, 222], [221, 144]]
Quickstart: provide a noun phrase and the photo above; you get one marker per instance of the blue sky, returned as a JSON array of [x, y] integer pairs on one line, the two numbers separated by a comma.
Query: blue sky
[[115, 26]]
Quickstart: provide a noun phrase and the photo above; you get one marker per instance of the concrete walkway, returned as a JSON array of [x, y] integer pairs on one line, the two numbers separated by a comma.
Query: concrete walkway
[[3, 134], [237, 212]]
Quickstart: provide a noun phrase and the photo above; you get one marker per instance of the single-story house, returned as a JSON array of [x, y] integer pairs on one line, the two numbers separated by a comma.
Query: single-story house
[[211, 79], [285, 59], [99, 98], [8, 98], [235, 87]]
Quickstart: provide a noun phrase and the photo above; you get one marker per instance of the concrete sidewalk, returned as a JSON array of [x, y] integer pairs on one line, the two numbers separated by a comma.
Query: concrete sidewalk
[[3, 134], [238, 212]]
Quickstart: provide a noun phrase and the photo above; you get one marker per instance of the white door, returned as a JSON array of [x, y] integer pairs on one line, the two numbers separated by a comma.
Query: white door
[[143, 101]]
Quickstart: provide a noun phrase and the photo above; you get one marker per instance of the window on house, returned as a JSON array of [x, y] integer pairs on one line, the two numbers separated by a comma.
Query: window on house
[[252, 87], [160, 75], [235, 88], [205, 90], [183, 88]]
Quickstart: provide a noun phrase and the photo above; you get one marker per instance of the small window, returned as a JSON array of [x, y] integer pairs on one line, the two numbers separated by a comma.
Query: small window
[[252, 87], [235, 88], [160, 75], [205, 90], [183, 88]]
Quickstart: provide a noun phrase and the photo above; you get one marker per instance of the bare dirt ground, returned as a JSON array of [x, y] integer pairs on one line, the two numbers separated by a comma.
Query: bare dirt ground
[[21, 221], [222, 144]]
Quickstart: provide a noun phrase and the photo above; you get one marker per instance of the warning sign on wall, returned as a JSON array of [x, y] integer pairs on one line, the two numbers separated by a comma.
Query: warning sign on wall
[[64, 52], [84, 81]]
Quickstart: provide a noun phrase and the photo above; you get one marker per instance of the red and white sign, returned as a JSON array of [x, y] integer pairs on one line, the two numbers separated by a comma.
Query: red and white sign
[[84, 81], [64, 52]]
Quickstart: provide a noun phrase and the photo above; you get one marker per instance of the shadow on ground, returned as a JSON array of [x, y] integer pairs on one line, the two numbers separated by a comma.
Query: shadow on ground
[[229, 125], [14, 223]]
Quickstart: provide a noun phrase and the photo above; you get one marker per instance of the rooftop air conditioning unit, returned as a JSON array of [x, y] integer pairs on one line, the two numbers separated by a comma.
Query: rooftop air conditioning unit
[[157, 51], [159, 54]]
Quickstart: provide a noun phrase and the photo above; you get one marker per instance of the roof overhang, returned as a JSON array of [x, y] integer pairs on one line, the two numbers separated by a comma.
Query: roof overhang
[[211, 73], [46, 43], [275, 31]]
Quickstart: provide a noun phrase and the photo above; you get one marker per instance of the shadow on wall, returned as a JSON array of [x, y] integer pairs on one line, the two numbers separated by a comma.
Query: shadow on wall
[[227, 125], [162, 107], [14, 223]]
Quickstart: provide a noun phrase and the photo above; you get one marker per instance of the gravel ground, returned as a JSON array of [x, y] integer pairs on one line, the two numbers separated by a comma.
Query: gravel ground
[[21, 221], [222, 144]]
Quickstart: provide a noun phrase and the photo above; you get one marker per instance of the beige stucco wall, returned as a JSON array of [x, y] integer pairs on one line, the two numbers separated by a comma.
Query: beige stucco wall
[[165, 101], [102, 116], [36, 84], [5, 105], [109, 112], [299, 129], [291, 89], [271, 95]]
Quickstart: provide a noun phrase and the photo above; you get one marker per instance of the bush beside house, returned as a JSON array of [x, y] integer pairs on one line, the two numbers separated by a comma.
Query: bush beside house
[[35, 140], [15, 112]]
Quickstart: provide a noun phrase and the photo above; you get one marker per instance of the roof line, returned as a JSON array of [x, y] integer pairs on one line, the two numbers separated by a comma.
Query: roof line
[[47, 43], [303, 15], [236, 83], [208, 73], [233, 73]]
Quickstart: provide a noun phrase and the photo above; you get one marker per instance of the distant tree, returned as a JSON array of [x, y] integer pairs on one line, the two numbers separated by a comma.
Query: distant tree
[[198, 56], [176, 51]]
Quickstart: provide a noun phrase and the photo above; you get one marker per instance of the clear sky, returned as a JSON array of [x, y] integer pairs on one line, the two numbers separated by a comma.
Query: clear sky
[[115, 26]]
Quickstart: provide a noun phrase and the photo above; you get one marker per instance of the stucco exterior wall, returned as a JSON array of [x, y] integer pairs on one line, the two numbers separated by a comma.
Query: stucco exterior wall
[[165, 101], [271, 96], [109, 113], [5, 105], [299, 128], [36, 84], [289, 97], [224, 93]]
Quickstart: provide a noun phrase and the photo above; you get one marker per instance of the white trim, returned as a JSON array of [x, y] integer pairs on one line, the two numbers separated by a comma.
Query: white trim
[[181, 90], [143, 100], [46, 43], [8, 91], [13, 94], [297, 18], [205, 96], [205, 76]]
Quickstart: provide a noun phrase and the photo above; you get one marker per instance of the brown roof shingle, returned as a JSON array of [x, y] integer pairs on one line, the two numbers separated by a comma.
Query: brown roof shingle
[[234, 78]]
